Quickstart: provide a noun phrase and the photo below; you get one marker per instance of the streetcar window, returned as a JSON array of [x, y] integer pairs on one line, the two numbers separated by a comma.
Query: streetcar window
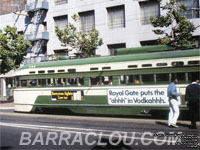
[[137, 79], [181, 77], [80, 81], [92, 69], [63, 81], [107, 80], [48, 82], [41, 82], [32, 72], [71, 70], [9, 82], [41, 71], [72, 81], [133, 79], [177, 63], [66, 82], [147, 78], [51, 71], [146, 65], [193, 76], [61, 70], [132, 66], [106, 68], [164, 77], [161, 64], [95, 81], [17, 81], [123, 79], [59, 81], [195, 62], [23, 83], [32, 82], [51, 82]]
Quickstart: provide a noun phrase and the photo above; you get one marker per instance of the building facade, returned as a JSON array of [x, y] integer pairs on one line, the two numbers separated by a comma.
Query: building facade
[[121, 23]]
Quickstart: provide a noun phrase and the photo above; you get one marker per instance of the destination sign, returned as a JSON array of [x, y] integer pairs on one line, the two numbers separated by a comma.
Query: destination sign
[[140, 97], [67, 95]]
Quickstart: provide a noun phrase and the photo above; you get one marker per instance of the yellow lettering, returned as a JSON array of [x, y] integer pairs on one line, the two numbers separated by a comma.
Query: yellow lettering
[[59, 97]]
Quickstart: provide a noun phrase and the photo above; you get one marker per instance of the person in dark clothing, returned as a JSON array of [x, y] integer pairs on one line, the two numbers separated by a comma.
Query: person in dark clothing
[[192, 97]]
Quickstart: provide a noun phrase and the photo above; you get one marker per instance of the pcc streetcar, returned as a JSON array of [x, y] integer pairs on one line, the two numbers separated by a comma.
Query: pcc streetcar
[[124, 84]]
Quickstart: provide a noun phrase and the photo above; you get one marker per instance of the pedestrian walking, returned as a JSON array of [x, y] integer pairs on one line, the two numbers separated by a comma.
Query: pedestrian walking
[[173, 96], [192, 98]]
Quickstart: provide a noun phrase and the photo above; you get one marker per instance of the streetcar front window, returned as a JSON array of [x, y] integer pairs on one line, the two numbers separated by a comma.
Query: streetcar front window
[[17, 82]]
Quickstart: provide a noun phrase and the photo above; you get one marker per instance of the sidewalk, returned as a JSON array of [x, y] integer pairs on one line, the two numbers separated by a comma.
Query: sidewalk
[[6, 104]]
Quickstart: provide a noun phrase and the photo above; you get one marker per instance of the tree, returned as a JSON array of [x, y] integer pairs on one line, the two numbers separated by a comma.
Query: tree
[[13, 48], [84, 42], [174, 28]]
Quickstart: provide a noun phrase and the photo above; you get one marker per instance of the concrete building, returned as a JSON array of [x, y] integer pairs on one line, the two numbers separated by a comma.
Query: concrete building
[[121, 23]]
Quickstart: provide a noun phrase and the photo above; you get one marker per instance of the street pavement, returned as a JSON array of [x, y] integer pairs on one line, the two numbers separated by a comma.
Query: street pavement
[[51, 131]]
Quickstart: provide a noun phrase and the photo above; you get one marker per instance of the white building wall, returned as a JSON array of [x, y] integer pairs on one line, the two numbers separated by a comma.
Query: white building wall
[[13, 20], [131, 35]]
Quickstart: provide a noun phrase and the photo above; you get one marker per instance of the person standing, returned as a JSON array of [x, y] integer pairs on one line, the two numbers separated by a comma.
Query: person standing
[[192, 98], [173, 103]]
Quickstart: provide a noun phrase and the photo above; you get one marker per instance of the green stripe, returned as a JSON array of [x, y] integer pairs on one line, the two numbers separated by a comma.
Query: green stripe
[[143, 49]]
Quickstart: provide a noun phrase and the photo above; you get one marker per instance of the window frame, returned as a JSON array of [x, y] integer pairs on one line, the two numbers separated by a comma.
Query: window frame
[[114, 11]]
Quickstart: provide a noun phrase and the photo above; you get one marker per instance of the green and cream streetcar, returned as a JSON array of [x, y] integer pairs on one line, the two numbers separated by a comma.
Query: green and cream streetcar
[[125, 84]]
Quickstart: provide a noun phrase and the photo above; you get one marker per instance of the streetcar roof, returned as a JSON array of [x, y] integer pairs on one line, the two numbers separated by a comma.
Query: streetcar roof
[[119, 58]]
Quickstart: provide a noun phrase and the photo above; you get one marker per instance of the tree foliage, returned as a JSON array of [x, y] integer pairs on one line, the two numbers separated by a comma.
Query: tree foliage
[[13, 48], [174, 28], [84, 42]]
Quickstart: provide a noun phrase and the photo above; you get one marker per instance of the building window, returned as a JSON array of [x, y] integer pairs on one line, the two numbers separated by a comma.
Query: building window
[[61, 22], [59, 2], [112, 48], [116, 17], [192, 8], [87, 21], [148, 9], [149, 43]]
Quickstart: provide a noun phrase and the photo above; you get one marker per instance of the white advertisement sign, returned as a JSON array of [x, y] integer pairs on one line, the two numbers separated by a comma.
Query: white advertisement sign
[[140, 96]]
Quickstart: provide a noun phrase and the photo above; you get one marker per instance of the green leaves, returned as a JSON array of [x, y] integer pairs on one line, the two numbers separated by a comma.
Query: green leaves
[[13, 48], [174, 28], [84, 42]]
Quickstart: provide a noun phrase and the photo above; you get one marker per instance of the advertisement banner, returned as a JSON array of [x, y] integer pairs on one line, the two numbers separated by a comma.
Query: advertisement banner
[[67, 95], [140, 97]]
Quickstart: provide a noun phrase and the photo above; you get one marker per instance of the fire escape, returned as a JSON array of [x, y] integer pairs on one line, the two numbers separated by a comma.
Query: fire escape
[[37, 35]]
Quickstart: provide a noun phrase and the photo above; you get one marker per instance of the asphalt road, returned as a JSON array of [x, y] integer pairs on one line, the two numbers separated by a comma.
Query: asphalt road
[[50, 131]]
